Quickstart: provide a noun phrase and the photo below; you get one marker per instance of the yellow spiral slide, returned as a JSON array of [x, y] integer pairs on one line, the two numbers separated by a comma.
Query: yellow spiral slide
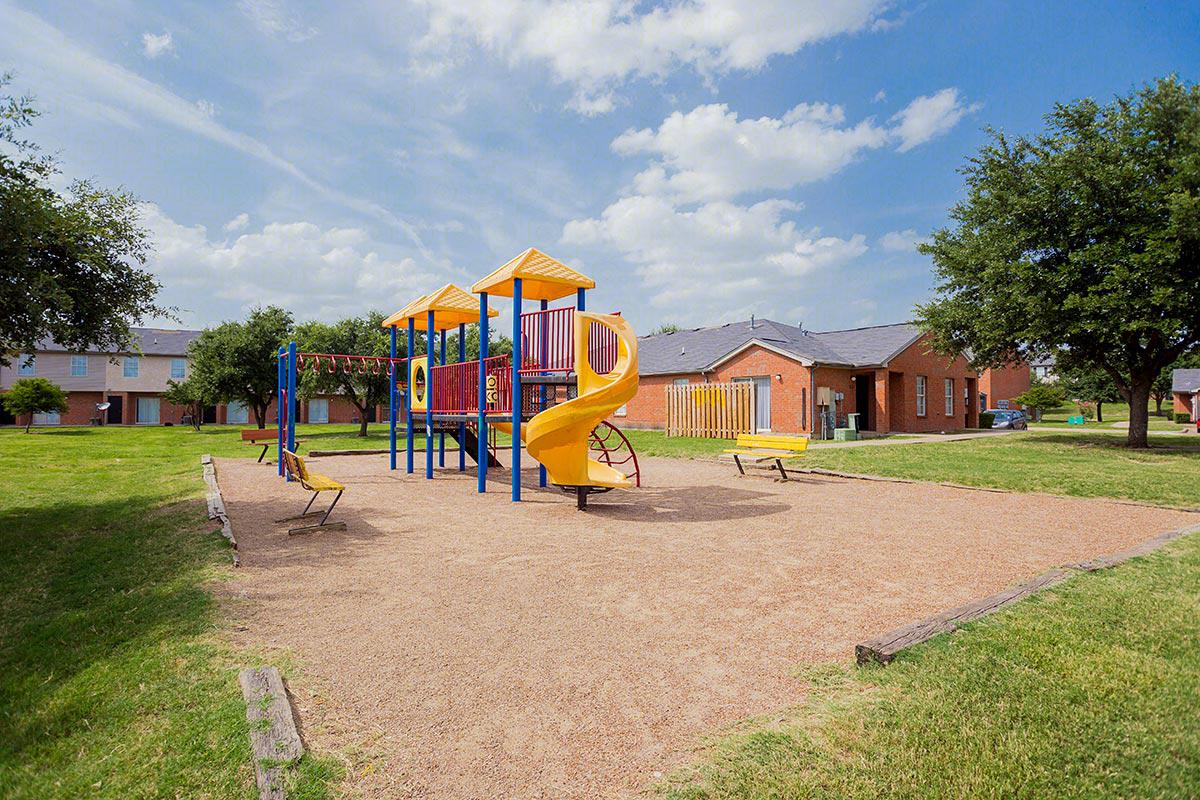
[[559, 437]]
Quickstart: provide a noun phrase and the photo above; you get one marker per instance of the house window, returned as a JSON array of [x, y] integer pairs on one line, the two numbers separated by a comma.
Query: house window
[[131, 367], [178, 368], [147, 410], [78, 366], [680, 382], [27, 366], [621, 411], [47, 418], [949, 397], [236, 413], [318, 411], [920, 395]]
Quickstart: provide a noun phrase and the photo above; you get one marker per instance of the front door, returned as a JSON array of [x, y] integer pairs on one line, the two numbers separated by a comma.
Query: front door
[[762, 408], [116, 409]]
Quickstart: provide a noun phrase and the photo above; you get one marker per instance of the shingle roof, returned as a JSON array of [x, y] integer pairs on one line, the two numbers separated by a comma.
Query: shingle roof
[[1185, 380], [700, 348], [148, 341]]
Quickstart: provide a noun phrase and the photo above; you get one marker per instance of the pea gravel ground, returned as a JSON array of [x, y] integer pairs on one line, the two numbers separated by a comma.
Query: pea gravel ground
[[457, 646]]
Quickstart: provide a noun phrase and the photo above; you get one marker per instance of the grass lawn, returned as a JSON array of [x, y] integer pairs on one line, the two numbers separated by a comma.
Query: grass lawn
[[1113, 412], [114, 678], [1086, 691]]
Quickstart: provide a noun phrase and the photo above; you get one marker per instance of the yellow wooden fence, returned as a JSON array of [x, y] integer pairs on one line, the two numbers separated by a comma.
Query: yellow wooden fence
[[711, 410]]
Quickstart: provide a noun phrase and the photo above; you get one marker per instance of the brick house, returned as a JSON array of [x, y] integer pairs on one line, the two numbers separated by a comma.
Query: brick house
[[884, 373], [132, 383], [1185, 392]]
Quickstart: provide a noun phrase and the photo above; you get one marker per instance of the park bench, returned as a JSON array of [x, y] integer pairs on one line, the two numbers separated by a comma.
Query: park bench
[[767, 447], [316, 483], [263, 437]]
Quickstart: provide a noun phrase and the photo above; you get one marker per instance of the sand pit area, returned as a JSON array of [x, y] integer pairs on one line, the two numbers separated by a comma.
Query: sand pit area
[[465, 647]]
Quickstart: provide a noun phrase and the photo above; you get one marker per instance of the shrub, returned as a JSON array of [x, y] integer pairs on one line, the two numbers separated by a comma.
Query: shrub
[[1182, 417], [986, 418], [34, 396]]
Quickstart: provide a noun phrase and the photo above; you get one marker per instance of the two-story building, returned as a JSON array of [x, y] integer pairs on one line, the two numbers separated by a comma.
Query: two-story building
[[132, 384]]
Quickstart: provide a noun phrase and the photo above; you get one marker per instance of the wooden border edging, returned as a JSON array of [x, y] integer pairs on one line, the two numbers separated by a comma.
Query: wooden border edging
[[216, 505], [883, 649], [274, 741]]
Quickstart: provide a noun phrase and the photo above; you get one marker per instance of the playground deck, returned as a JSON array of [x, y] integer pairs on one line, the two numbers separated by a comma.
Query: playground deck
[[464, 647]]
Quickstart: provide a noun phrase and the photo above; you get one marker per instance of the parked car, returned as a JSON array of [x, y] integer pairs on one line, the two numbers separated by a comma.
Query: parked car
[[1007, 419]]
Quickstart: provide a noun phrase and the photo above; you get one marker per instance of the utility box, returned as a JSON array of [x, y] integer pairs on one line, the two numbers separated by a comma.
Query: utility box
[[845, 435], [824, 396]]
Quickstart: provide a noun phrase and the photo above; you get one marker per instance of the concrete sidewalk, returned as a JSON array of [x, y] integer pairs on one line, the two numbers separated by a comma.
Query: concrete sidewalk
[[933, 437]]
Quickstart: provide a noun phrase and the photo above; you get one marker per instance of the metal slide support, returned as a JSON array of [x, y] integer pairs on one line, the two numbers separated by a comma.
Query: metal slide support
[[579, 300], [545, 356], [408, 430], [462, 426], [431, 354], [391, 371], [279, 394], [516, 392], [481, 431]]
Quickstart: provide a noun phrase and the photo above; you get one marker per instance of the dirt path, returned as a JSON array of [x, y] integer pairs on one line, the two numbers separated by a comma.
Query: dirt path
[[463, 647]]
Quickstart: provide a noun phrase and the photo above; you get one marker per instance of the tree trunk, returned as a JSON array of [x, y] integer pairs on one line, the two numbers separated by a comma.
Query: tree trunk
[[1099, 411], [1139, 412], [362, 424], [28, 424], [260, 416], [1158, 401]]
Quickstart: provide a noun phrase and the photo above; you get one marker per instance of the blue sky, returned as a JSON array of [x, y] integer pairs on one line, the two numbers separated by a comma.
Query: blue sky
[[702, 160]]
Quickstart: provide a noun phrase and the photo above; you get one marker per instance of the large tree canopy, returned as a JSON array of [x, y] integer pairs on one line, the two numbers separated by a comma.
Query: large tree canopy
[[1084, 238], [69, 263], [238, 360]]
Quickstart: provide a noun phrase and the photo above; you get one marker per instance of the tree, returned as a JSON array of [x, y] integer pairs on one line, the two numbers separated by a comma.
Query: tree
[[70, 260], [1087, 383], [1041, 396], [497, 345], [237, 360], [1085, 237], [363, 336], [190, 394], [34, 396], [1161, 391], [666, 327]]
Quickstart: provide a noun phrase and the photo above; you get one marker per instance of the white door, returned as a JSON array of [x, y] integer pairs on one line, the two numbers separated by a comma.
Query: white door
[[762, 408], [318, 411], [48, 418], [236, 413], [147, 411]]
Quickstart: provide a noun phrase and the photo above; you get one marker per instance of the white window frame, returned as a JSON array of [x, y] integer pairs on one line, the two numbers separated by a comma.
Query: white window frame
[[135, 363], [182, 364], [681, 382], [922, 408], [621, 411], [27, 366], [949, 384], [79, 366], [47, 418]]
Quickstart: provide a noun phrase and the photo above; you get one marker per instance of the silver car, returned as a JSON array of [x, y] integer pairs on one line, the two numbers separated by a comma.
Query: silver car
[[1006, 419]]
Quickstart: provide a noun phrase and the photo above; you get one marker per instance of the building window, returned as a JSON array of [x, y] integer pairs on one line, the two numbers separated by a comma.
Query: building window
[[236, 413], [318, 411], [178, 368], [949, 397], [147, 410], [620, 412], [920, 395], [27, 366], [78, 366], [131, 367], [680, 382], [47, 418]]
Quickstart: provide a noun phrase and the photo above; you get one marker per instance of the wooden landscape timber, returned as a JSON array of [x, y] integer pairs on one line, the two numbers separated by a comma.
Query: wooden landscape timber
[[274, 741], [216, 505]]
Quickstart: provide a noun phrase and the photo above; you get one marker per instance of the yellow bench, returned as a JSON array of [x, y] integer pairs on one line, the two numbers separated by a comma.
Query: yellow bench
[[764, 446], [316, 483]]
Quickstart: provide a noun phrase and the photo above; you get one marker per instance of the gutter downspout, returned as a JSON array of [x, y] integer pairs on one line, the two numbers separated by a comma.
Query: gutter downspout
[[812, 400]]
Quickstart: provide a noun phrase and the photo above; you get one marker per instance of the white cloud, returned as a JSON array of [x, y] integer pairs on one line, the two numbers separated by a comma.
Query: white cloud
[[207, 108], [272, 18], [929, 116], [238, 223], [315, 272], [710, 154], [596, 46], [904, 241], [719, 261], [879, 97], [157, 44]]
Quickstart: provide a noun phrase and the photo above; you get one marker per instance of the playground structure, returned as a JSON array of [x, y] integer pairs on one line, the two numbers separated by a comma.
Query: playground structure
[[570, 369]]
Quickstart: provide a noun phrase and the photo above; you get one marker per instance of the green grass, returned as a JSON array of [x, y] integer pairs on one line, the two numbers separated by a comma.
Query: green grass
[[1113, 412], [115, 680], [1087, 691], [1076, 464]]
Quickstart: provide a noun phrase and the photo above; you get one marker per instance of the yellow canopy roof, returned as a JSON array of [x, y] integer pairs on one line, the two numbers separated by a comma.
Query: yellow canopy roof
[[542, 278], [451, 307]]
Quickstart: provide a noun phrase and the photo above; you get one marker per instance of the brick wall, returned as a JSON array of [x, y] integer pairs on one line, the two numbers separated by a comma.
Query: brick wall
[[1183, 403], [917, 360], [1005, 383]]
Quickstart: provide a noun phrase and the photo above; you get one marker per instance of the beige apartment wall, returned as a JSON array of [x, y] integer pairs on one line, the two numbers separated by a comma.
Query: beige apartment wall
[[56, 367], [153, 374]]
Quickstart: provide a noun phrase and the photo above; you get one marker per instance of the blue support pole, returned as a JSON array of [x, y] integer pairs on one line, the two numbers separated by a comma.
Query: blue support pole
[[462, 426], [291, 384], [579, 300], [442, 434], [408, 430], [545, 356], [481, 455], [279, 395], [516, 392], [431, 352], [391, 371]]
